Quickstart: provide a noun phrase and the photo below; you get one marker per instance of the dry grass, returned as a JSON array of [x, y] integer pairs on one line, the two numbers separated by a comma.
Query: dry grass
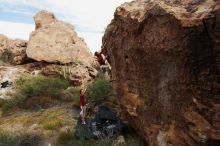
[[52, 124], [42, 122], [35, 92]]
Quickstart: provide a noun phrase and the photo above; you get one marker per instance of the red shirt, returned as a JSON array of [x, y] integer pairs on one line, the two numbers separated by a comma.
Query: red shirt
[[100, 60], [82, 100]]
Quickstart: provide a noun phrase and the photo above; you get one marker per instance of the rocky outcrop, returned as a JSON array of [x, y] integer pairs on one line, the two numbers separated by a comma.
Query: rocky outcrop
[[18, 50], [165, 58], [56, 41], [13, 51], [3, 42], [53, 49], [77, 73], [44, 18]]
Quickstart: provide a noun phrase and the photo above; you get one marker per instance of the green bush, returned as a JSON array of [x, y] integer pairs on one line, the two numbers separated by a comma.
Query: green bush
[[12, 103], [6, 56], [72, 94], [65, 138], [7, 139], [42, 86], [36, 87], [100, 90]]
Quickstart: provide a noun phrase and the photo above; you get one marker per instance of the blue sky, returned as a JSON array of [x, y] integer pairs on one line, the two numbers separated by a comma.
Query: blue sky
[[90, 17]]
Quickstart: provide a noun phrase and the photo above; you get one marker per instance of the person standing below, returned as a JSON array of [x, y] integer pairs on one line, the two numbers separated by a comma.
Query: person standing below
[[82, 105]]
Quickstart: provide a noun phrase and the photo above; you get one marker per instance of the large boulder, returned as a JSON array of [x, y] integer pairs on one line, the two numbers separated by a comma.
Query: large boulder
[[56, 41], [165, 58]]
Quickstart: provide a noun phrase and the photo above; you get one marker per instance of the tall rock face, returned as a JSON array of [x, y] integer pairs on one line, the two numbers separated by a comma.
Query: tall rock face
[[165, 58], [56, 41]]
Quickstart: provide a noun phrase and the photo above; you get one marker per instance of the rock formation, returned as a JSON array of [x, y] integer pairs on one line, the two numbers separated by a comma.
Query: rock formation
[[78, 74], [165, 58], [56, 41], [3, 42], [53, 49], [14, 51]]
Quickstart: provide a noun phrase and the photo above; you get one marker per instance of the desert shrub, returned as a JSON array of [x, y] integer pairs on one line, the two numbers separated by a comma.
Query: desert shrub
[[6, 56], [12, 103], [65, 138], [23, 78], [37, 91], [7, 139], [72, 94], [97, 91], [100, 90], [42, 86]]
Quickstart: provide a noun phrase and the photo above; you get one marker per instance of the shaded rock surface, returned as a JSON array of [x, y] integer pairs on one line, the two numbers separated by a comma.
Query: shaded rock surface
[[165, 58], [13, 51], [56, 41]]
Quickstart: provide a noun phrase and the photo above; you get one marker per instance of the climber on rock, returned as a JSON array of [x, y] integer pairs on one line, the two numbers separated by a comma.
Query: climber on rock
[[104, 65]]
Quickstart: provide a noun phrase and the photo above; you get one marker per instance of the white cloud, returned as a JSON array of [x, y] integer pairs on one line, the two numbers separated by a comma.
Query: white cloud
[[87, 15], [16, 30], [93, 40]]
